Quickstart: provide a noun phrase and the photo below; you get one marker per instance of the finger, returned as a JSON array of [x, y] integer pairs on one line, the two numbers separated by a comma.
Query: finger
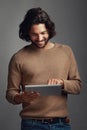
[[49, 81], [34, 94], [53, 81], [56, 81]]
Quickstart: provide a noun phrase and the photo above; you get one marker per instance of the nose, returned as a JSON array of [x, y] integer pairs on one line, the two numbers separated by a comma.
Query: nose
[[39, 38]]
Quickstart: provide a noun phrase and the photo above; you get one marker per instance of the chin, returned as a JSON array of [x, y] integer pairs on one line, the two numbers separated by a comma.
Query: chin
[[41, 45]]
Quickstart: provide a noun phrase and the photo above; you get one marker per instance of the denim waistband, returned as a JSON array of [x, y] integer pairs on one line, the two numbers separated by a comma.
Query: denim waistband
[[51, 120]]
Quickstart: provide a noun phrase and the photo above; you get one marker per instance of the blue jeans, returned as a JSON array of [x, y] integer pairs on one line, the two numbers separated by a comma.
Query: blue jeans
[[29, 124]]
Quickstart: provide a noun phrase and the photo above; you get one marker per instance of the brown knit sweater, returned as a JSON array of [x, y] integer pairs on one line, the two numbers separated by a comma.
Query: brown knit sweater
[[35, 66]]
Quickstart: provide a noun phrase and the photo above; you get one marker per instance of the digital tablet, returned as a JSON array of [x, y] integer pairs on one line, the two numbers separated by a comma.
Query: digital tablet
[[45, 90]]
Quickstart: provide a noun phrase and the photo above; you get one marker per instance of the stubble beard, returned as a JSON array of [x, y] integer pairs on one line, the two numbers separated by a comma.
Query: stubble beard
[[36, 43]]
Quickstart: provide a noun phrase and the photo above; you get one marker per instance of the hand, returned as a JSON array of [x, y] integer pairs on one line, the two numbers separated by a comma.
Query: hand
[[26, 97], [29, 96], [55, 81]]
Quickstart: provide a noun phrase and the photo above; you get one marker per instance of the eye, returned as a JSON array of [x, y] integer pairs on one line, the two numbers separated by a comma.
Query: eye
[[43, 33]]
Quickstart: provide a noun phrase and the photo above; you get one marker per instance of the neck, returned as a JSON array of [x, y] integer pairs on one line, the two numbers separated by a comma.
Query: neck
[[49, 45]]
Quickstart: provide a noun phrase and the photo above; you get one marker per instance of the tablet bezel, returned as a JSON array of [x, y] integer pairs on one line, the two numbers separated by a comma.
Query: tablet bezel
[[45, 89]]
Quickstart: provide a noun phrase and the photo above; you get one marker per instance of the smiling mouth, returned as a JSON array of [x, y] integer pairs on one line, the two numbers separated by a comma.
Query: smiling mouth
[[40, 42]]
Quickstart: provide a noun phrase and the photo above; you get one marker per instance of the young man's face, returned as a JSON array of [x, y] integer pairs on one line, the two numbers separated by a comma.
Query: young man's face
[[39, 35]]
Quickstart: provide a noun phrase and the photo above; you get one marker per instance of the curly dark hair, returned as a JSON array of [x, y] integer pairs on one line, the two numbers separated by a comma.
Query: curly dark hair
[[35, 16]]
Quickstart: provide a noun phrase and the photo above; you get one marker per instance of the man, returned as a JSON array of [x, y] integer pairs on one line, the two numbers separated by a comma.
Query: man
[[42, 62]]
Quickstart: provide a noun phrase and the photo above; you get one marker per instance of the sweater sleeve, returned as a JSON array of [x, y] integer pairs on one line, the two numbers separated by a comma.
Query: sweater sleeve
[[14, 80], [73, 84]]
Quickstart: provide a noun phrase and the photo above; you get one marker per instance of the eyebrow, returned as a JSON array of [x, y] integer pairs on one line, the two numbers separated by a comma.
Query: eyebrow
[[44, 31], [41, 32]]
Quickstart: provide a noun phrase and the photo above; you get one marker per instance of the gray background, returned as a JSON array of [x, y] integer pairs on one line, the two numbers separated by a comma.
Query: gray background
[[71, 25]]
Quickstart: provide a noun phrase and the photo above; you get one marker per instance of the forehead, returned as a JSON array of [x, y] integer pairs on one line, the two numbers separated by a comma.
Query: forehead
[[37, 28]]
